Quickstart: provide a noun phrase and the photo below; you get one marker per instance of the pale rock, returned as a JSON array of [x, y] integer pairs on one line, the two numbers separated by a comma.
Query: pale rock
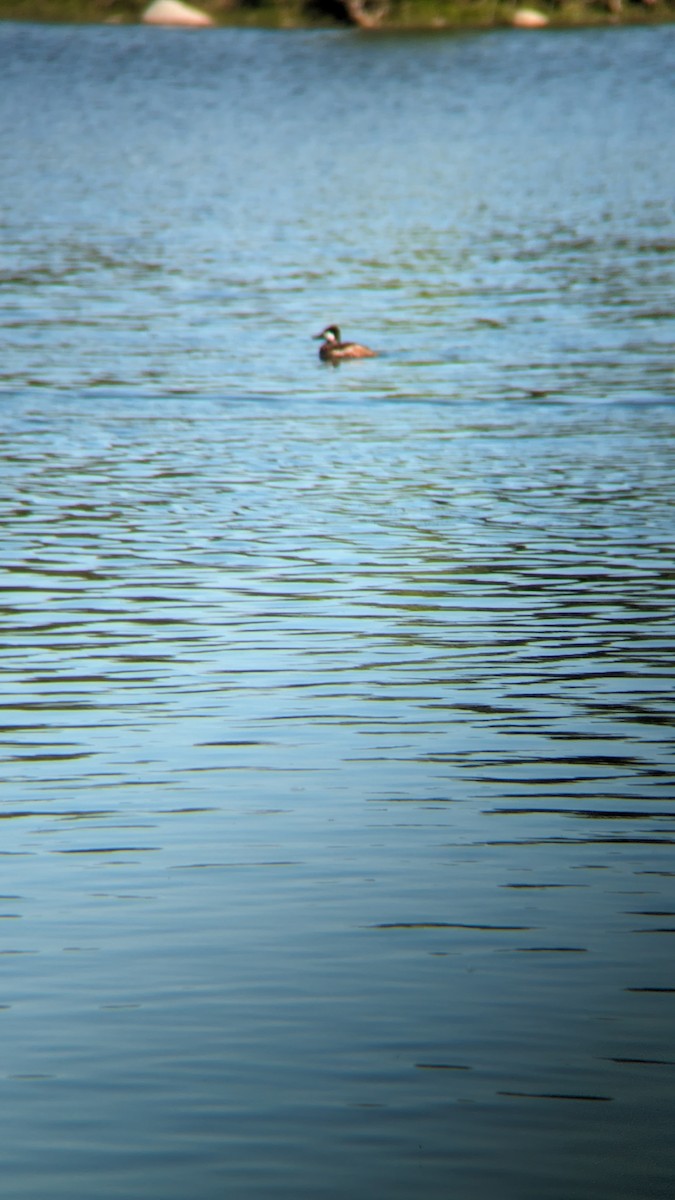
[[174, 12], [528, 18]]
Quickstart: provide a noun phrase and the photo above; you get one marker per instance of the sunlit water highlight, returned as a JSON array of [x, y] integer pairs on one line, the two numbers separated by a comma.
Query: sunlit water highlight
[[337, 706]]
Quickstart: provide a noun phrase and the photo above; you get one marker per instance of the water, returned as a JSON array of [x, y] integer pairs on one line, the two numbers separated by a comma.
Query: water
[[337, 707]]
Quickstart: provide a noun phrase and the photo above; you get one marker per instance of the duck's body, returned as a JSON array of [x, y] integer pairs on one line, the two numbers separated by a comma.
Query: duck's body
[[335, 350]]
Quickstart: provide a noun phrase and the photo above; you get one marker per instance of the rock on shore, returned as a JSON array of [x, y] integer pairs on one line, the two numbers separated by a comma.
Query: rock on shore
[[528, 18], [174, 12]]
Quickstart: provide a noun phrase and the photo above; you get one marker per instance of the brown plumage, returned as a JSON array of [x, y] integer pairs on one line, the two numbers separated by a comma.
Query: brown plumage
[[334, 349]]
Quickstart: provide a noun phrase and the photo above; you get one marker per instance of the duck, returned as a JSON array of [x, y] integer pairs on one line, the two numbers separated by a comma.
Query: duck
[[333, 349]]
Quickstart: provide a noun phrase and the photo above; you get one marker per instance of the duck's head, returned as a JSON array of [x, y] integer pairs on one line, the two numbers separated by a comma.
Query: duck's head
[[330, 334]]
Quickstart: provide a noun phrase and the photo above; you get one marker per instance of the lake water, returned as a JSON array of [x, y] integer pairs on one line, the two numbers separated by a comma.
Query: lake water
[[338, 817]]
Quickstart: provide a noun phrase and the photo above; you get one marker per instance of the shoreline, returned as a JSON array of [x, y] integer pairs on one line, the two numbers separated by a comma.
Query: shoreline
[[401, 16]]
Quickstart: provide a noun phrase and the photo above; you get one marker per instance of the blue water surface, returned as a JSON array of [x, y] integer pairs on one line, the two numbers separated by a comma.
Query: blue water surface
[[337, 706]]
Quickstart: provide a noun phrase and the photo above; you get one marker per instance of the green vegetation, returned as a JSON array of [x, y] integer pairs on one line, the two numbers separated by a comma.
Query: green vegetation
[[372, 14]]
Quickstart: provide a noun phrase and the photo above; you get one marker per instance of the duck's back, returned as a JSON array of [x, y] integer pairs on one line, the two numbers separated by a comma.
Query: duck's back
[[336, 350], [353, 350]]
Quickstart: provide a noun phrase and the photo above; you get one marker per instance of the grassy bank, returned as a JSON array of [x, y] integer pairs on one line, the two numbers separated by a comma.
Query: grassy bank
[[384, 14]]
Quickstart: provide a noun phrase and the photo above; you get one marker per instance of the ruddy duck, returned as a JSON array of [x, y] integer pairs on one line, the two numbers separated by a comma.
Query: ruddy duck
[[334, 349]]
